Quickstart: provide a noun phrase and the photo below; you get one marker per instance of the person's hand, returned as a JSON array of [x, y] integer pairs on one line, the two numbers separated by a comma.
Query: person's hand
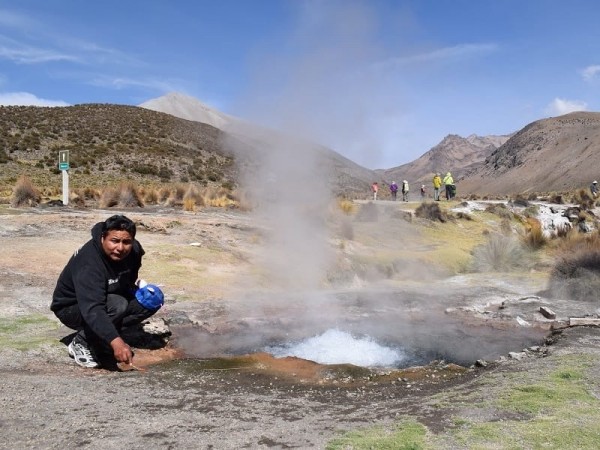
[[121, 350]]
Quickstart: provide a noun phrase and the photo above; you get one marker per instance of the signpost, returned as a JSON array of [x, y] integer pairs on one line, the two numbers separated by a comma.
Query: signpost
[[63, 165]]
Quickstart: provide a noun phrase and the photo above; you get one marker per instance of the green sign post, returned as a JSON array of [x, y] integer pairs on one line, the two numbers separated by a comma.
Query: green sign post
[[63, 159]]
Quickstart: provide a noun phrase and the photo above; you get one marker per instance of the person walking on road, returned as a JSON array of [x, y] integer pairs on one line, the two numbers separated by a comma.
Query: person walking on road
[[449, 183], [437, 184], [405, 190], [394, 190]]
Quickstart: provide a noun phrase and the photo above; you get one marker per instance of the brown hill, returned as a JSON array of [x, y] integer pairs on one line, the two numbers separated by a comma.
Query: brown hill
[[112, 143], [453, 154], [555, 154], [107, 143]]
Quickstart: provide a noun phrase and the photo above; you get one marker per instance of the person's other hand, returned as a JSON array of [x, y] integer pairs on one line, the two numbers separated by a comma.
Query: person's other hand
[[121, 350]]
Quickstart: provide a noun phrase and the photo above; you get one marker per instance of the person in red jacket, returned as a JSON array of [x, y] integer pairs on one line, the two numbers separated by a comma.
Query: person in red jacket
[[96, 293]]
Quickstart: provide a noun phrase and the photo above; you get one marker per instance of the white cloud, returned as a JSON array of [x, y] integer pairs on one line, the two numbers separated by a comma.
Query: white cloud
[[457, 52], [560, 106], [149, 83], [27, 99], [590, 72]]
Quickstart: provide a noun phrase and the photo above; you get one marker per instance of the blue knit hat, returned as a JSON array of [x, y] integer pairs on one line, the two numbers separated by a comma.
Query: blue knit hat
[[150, 296]]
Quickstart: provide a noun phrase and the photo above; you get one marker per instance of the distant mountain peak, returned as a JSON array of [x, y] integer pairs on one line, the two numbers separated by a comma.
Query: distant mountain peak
[[189, 108]]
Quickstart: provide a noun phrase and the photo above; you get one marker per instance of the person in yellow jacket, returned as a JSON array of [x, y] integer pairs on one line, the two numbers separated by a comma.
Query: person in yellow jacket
[[437, 184], [449, 183]]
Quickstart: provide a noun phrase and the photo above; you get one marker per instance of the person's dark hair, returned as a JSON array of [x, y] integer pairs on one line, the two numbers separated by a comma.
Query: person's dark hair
[[119, 222]]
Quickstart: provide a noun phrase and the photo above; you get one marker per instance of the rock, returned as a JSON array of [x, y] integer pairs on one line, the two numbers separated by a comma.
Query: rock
[[517, 355], [547, 312], [481, 363], [156, 326]]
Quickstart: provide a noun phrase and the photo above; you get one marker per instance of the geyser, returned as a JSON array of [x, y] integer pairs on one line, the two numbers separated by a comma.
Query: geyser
[[340, 347]]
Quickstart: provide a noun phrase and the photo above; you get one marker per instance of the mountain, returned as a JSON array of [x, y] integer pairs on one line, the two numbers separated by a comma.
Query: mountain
[[549, 155], [108, 144], [345, 177], [189, 108], [453, 154]]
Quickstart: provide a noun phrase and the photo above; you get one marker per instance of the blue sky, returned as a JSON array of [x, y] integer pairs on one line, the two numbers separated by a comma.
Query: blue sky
[[380, 81]]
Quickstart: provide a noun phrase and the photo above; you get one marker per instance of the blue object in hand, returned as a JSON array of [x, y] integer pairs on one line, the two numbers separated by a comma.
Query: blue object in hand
[[150, 296]]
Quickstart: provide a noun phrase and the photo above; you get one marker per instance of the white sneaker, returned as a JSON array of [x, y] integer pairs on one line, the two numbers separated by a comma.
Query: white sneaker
[[82, 355]]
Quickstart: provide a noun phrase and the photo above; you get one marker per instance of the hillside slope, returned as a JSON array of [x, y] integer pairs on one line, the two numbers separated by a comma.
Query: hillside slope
[[453, 154], [344, 176], [108, 143], [555, 154]]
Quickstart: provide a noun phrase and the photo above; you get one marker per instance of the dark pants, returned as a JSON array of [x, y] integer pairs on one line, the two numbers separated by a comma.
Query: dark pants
[[122, 312]]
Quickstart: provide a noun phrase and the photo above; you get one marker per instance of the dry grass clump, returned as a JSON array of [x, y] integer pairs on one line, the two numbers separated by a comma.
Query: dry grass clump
[[534, 237], [126, 196], [561, 232], [583, 199], [191, 198], [519, 200], [463, 216], [576, 273], [431, 211], [163, 195], [24, 193], [218, 197], [150, 196], [500, 210], [346, 206], [500, 254]]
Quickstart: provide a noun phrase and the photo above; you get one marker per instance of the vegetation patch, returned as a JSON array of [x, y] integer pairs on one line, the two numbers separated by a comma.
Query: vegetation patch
[[25, 332], [409, 435]]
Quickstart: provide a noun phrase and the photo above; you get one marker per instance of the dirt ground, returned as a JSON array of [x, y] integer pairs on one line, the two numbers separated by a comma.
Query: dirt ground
[[181, 400]]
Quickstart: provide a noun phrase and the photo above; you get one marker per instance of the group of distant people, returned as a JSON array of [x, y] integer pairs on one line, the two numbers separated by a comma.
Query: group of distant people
[[438, 182]]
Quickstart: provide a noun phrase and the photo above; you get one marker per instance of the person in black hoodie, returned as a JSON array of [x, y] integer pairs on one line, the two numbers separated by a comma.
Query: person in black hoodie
[[95, 293]]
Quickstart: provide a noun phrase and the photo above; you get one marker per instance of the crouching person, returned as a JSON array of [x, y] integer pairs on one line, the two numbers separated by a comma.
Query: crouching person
[[96, 294]]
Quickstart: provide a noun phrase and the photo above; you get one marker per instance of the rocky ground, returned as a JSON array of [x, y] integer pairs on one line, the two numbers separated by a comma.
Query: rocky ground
[[181, 396]]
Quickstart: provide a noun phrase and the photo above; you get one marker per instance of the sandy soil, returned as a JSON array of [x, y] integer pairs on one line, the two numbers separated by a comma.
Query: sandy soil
[[183, 400]]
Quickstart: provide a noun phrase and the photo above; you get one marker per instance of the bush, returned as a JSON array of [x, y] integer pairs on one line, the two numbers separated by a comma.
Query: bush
[[500, 210], [577, 275], [501, 254], [24, 193], [129, 196], [534, 237], [519, 200], [346, 206], [431, 211]]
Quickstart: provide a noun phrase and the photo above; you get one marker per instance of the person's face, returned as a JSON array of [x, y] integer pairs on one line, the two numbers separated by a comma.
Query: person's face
[[117, 244]]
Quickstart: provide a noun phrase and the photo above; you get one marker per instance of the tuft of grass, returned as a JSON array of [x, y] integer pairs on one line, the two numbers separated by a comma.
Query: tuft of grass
[[25, 332], [189, 204], [500, 210], [500, 253], [346, 206], [24, 193], [409, 435], [576, 273], [431, 211], [129, 196], [534, 237]]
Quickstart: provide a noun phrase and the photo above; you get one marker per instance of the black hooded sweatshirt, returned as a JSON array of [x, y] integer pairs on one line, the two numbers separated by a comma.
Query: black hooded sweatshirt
[[90, 276]]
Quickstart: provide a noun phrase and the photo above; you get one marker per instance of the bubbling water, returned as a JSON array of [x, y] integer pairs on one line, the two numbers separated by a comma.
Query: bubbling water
[[339, 347]]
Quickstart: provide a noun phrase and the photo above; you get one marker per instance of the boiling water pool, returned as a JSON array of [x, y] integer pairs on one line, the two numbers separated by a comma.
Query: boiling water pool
[[339, 347]]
